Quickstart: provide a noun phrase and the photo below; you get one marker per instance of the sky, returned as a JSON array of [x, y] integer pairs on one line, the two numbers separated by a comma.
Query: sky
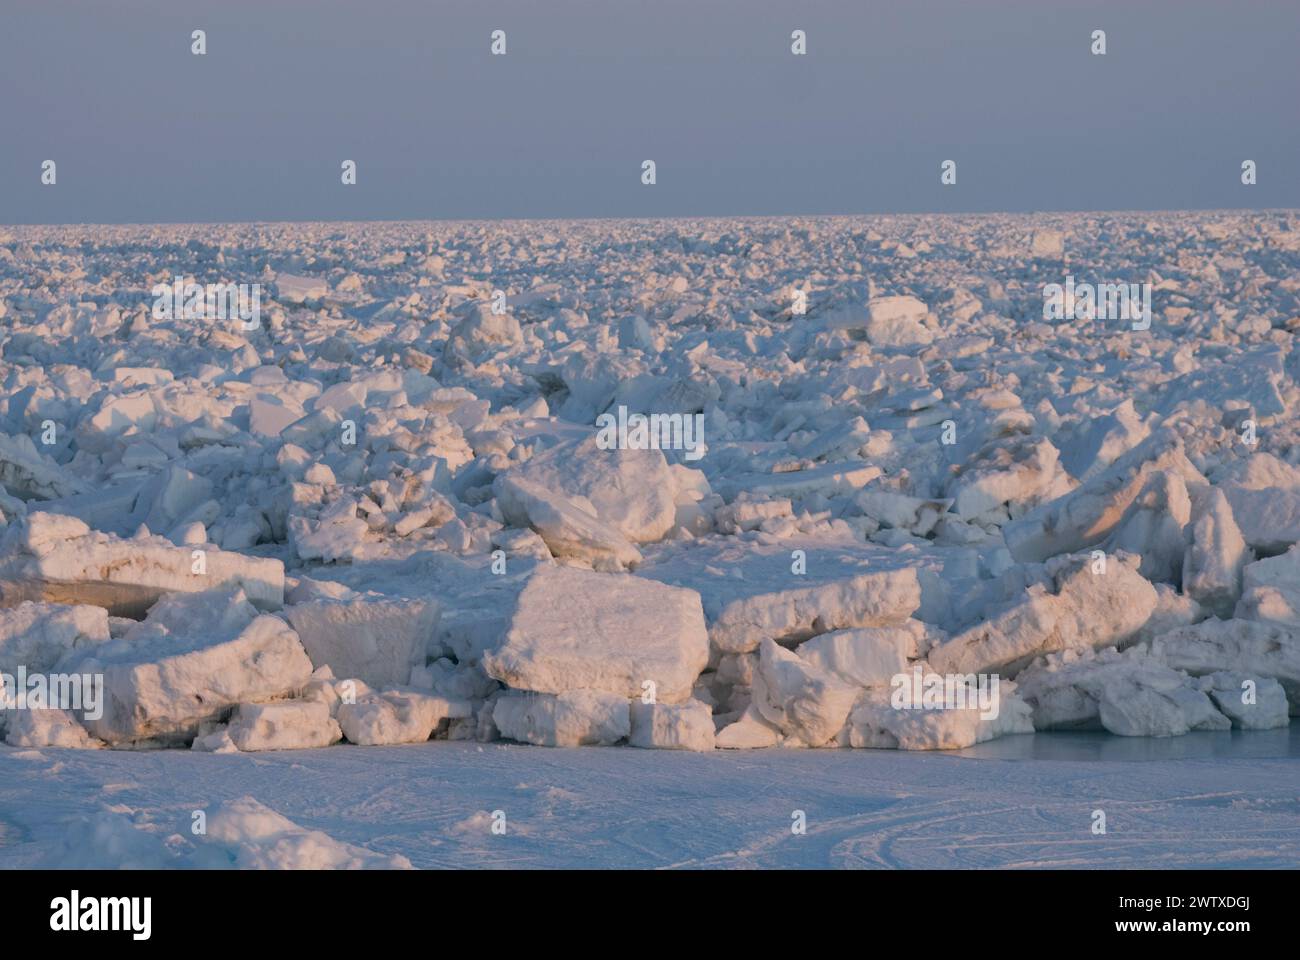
[[144, 131]]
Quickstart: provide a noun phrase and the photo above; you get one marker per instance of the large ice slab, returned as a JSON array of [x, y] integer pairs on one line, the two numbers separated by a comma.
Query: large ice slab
[[285, 725], [397, 716], [165, 688], [574, 718], [1088, 605], [60, 560], [373, 638], [805, 702], [672, 726], [1087, 515], [866, 655], [1216, 555], [1271, 589], [754, 591], [631, 491], [576, 629], [570, 529]]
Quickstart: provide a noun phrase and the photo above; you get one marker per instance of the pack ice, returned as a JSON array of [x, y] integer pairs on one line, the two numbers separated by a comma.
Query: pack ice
[[864, 490]]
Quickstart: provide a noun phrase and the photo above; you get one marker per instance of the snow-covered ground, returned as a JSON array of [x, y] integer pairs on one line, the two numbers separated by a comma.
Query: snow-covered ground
[[1234, 801], [291, 495]]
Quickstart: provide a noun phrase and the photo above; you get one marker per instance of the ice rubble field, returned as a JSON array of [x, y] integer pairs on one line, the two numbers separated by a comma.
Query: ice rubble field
[[383, 516]]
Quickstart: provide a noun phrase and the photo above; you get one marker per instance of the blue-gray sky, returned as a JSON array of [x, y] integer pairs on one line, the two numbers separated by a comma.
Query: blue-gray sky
[[143, 131]]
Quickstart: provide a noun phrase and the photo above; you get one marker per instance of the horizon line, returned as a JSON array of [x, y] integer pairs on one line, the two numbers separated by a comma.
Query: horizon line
[[668, 218]]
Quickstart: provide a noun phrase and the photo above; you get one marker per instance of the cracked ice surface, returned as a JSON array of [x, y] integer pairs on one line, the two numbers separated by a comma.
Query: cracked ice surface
[[387, 509]]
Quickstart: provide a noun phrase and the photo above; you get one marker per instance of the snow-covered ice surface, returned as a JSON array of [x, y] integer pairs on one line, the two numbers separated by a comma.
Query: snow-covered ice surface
[[299, 493], [1205, 800]]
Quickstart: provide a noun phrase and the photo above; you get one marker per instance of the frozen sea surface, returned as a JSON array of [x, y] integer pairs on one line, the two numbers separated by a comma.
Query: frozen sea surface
[[1204, 800]]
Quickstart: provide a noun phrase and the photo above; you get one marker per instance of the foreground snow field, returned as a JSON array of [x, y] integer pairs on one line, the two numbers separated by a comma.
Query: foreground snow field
[[902, 483], [1233, 800]]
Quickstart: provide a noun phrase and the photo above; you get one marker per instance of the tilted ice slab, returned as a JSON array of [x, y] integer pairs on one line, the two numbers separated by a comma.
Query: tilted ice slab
[[751, 731], [577, 629], [60, 560], [800, 700], [475, 604], [1017, 470], [1087, 515], [1100, 440], [27, 473], [110, 510], [222, 612], [752, 592], [570, 529], [807, 703], [166, 686], [1216, 554], [1264, 493], [1153, 527], [1082, 609]]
